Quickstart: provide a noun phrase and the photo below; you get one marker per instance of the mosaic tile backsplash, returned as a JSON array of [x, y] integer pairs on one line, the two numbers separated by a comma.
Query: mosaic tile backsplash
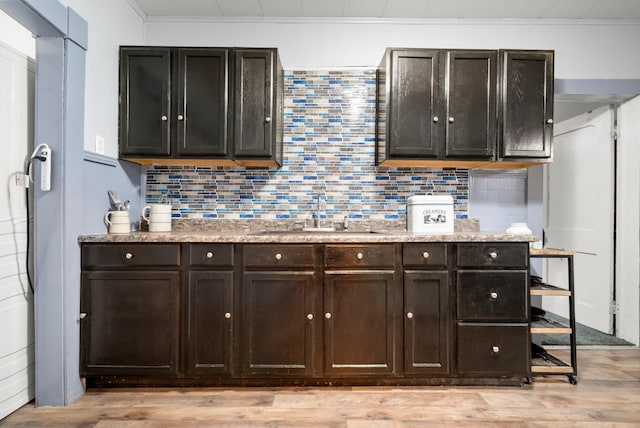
[[329, 149]]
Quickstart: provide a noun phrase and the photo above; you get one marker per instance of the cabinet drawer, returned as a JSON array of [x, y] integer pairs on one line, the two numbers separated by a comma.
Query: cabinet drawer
[[493, 255], [426, 255], [360, 256], [211, 255], [492, 295], [279, 256], [493, 349], [125, 255]]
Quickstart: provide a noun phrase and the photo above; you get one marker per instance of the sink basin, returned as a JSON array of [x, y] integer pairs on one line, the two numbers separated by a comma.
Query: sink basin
[[315, 232]]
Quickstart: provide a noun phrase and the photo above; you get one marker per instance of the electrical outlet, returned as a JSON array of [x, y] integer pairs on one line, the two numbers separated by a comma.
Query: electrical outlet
[[99, 144]]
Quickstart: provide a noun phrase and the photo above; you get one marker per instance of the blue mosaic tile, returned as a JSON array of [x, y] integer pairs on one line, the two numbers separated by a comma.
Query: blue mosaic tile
[[329, 148]]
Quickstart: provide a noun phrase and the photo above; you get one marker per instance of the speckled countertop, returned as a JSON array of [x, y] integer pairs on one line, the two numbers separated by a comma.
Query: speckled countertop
[[257, 231]]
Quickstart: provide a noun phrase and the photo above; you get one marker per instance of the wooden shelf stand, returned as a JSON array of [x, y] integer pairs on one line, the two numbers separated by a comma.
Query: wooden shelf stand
[[547, 363]]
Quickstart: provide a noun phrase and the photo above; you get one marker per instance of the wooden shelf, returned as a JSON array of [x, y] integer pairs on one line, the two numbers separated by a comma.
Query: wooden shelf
[[548, 290], [550, 364], [547, 326], [549, 252]]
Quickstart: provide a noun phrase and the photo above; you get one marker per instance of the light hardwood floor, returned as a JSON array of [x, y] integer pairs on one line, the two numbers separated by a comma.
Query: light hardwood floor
[[607, 394]]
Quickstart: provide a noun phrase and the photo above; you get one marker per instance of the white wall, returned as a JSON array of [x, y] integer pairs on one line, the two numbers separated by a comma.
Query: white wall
[[16, 36], [593, 50], [111, 24]]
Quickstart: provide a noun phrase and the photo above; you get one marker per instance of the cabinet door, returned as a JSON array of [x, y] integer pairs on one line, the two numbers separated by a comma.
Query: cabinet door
[[471, 104], [145, 97], [131, 323], [426, 322], [278, 323], [202, 113], [210, 323], [254, 107], [527, 104], [413, 104], [359, 332]]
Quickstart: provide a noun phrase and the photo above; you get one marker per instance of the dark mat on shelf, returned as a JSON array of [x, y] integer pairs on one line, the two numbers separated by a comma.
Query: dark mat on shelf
[[584, 335]]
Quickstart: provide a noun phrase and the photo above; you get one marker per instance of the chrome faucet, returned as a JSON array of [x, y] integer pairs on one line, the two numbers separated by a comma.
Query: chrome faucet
[[317, 222]]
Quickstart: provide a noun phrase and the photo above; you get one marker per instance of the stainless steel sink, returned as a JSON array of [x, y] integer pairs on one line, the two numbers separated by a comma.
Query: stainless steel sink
[[316, 232]]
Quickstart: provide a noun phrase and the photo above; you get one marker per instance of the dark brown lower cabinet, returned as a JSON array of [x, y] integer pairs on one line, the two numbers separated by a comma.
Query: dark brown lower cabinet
[[359, 333], [278, 326], [209, 338], [427, 327], [131, 323]]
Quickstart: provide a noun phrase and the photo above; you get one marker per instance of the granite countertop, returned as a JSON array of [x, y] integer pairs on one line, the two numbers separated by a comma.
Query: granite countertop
[[270, 232]]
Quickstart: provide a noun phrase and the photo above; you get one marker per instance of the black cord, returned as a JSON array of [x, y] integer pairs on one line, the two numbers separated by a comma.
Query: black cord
[[28, 246]]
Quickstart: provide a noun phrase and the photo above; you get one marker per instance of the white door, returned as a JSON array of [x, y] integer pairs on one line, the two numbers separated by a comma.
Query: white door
[[17, 74], [580, 214]]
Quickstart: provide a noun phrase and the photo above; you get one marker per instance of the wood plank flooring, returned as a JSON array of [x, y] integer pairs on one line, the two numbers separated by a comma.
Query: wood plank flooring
[[607, 395]]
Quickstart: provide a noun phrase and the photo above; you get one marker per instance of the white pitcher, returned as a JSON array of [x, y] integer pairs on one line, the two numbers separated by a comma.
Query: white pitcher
[[159, 217]]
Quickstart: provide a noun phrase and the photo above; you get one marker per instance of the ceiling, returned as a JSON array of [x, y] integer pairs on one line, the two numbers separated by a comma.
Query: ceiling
[[398, 9]]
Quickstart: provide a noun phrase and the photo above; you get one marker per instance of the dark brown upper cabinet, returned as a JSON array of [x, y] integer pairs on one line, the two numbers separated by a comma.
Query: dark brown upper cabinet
[[466, 108], [258, 98], [526, 104], [177, 106], [437, 105]]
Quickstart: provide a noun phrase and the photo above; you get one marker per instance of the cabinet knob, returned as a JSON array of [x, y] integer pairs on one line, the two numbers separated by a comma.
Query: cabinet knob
[[128, 256], [549, 121], [495, 349], [227, 315], [410, 315], [451, 120], [83, 315], [209, 255], [328, 315], [309, 317], [278, 256], [164, 118], [493, 295], [267, 119], [426, 255], [360, 256], [493, 255], [180, 117], [435, 119]]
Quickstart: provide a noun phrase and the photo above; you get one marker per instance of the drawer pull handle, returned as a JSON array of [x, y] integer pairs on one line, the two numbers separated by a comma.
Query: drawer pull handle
[[83, 315], [128, 256], [328, 315], [227, 315], [451, 120], [410, 315], [495, 349], [426, 255], [309, 317], [180, 117], [278, 256], [209, 255], [435, 119], [549, 121], [493, 255], [493, 295], [164, 118], [360, 256]]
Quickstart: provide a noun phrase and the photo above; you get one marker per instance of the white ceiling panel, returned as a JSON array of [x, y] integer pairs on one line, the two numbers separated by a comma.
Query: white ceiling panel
[[238, 8], [613, 9], [404, 8], [183, 8], [281, 7], [570, 8], [323, 8], [528, 8], [524, 9], [364, 8]]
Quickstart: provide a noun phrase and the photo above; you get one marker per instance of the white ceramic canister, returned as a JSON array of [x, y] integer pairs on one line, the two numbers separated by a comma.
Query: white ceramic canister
[[518, 229], [118, 221], [430, 214], [158, 217]]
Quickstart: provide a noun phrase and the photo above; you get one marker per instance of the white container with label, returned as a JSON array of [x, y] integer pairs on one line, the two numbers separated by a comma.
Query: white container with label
[[430, 214]]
